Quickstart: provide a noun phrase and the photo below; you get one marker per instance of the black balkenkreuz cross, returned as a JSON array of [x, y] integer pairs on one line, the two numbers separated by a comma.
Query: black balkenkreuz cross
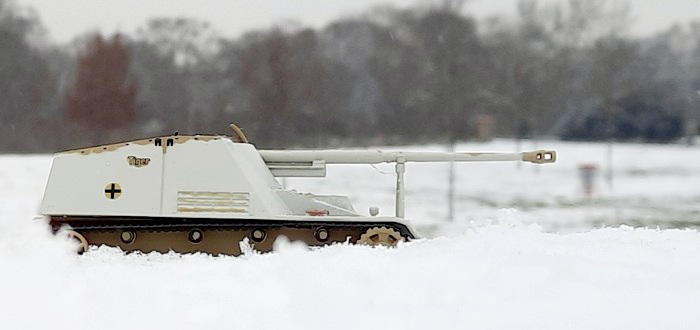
[[113, 191]]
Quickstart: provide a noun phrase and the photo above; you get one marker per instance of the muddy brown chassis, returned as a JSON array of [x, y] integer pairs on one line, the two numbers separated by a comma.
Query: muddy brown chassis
[[221, 236]]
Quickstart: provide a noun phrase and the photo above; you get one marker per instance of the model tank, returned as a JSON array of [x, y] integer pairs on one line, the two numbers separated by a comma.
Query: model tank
[[208, 193]]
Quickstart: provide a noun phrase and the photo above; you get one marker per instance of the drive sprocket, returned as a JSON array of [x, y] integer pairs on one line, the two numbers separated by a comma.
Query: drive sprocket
[[383, 236], [78, 238]]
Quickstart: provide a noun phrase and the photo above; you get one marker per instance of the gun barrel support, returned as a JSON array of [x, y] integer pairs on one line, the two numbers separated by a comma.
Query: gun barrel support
[[400, 188]]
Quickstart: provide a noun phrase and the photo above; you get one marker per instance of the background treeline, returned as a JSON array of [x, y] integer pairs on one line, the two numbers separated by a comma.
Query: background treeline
[[428, 74]]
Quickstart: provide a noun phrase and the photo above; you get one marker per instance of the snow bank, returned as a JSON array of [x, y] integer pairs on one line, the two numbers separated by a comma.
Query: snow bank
[[497, 277]]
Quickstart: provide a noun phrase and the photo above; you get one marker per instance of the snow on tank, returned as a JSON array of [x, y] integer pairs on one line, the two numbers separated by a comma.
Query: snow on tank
[[209, 193]]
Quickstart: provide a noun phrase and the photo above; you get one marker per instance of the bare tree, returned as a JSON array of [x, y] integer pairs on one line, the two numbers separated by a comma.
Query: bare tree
[[283, 74], [27, 82], [187, 41], [102, 98], [163, 98]]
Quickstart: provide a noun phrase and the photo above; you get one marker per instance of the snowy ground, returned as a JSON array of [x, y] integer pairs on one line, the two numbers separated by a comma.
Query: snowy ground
[[526, 251]]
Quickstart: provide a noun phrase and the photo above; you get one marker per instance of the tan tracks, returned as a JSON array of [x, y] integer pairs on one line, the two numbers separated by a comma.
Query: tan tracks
[[226, 241]]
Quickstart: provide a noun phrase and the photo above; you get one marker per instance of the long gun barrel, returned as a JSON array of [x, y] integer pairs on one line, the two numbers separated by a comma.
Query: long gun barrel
[[312, 163], [309, 162], [379, 156]]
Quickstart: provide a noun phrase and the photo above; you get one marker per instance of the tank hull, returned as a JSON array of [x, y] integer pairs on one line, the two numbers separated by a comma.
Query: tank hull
[[209, 193], [214, 236]]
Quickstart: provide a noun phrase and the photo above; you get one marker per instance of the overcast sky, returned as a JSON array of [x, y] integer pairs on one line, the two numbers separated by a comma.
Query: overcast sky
[[66, 19]]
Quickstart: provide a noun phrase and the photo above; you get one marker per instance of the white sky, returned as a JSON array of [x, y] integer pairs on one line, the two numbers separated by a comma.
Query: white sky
[[66, 19]]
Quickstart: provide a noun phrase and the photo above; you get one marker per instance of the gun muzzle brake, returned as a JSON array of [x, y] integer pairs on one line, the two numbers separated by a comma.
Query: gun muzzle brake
[[540, 156]]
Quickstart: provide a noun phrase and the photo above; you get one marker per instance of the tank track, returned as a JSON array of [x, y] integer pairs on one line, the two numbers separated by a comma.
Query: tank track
[[214, 236]]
